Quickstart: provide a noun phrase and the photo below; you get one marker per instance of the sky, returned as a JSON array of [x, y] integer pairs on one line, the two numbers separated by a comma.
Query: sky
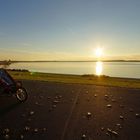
[[69, 29]]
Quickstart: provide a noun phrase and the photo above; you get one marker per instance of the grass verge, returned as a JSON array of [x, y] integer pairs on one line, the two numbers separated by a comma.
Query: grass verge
[[79, 79]]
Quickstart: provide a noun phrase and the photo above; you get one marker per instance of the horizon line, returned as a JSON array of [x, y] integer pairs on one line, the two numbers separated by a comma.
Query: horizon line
[[109, 60]]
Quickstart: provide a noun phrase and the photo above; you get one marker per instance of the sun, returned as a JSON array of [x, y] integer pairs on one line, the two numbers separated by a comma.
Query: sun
[[98, 52]]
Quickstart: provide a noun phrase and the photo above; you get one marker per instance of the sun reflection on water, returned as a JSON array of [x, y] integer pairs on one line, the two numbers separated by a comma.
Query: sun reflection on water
[[99, 68]]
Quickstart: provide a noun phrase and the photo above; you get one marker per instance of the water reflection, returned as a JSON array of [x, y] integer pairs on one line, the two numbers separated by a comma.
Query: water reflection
[[99, 68], [4, 66]]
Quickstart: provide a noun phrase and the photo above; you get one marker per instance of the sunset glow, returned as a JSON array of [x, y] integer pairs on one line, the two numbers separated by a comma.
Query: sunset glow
[[69, 30], [99, 52]]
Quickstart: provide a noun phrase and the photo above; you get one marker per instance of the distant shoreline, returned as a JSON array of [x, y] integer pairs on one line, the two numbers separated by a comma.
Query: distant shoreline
[[8, 63], [5, 62]]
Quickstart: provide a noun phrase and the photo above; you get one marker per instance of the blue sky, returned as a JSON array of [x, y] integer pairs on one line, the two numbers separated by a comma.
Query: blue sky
[[69, 29]]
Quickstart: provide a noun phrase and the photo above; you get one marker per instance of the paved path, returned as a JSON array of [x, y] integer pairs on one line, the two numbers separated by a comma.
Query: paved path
[[56, 111]]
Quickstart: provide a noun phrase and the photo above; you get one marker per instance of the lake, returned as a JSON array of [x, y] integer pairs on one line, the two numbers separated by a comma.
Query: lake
[[114, 69]]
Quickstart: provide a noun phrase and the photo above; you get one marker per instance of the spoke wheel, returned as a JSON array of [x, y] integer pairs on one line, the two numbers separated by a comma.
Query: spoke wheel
[[21, 94]]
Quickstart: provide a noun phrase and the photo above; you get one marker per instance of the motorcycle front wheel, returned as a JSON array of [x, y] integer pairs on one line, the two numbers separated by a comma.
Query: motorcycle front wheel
[[21, 94]]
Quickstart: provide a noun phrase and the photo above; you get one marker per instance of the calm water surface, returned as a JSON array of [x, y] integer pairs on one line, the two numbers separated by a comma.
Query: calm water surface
[[115, 69]]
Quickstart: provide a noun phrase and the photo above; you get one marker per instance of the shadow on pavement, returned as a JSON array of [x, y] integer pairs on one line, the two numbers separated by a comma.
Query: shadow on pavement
[[5, 110]]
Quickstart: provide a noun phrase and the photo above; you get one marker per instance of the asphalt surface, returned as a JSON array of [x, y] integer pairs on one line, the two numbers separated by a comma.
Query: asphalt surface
[[57, 111]]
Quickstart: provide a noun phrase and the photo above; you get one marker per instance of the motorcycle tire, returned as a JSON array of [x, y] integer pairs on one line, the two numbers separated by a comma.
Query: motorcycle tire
[[21, 94]]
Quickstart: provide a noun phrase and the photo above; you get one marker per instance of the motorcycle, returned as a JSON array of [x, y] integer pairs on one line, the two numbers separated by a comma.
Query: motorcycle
[[8, 86]]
